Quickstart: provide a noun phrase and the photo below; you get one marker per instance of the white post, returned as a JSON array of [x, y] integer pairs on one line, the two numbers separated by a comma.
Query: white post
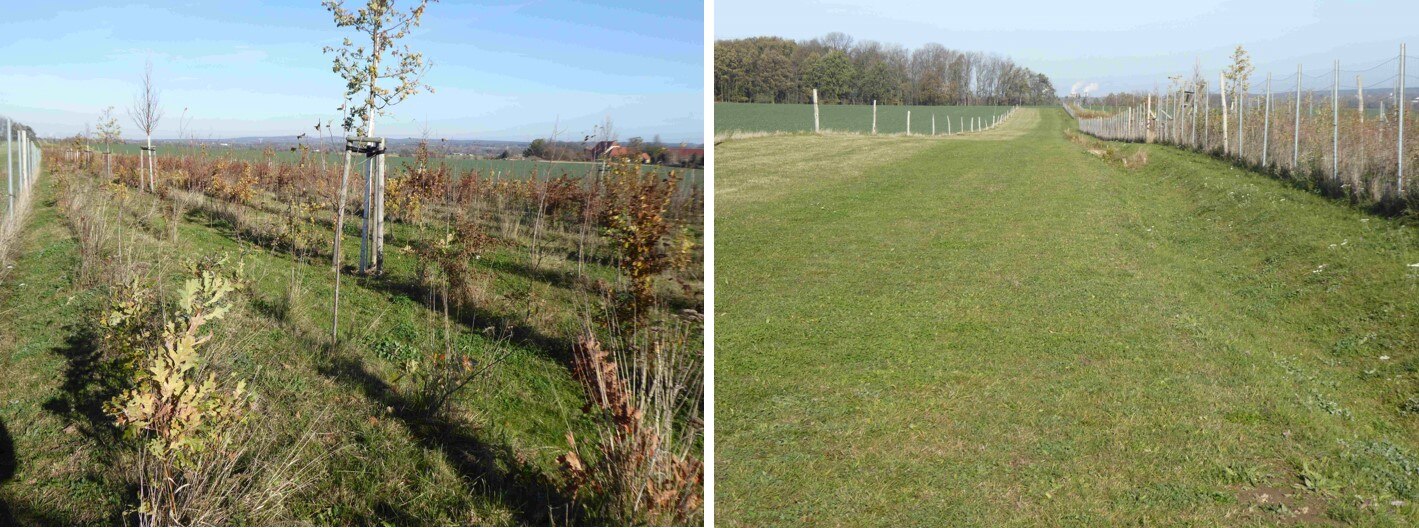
[[365, 216], [1360, 96], [815, 110], [1296, 132], [1266, 128], [1222, 83], [1335, 124], [24, 161], [379, 210], [933, 124], [909, 122], [1192, 126], [1148, 120], [874, 116], [1403, 102], [10, 166], [152, 174]]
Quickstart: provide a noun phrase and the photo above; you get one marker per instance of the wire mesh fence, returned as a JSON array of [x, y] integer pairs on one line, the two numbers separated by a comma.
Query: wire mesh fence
[[1321, 129], [23, 162]]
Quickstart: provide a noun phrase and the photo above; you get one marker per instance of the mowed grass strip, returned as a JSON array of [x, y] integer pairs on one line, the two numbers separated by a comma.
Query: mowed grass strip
[[1017, 332], [891, 119]]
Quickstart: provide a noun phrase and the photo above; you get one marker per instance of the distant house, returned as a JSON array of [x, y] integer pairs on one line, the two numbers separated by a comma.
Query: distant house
[[600, 148], [612, 149], [684, 156]]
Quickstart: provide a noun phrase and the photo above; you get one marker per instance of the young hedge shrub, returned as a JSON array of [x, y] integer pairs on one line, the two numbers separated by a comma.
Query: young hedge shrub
[[178, 415], [634, 218]]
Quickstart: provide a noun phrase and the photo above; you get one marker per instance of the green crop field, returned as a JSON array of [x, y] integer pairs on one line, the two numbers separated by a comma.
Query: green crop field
[[1013, 328], [758, 117], [488, 168]]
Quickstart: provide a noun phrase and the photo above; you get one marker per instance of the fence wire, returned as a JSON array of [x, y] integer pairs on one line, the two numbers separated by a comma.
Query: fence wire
[[1333, 128], [23, 162]]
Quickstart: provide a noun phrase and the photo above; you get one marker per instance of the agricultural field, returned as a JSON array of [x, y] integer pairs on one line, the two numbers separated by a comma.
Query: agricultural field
[[759, 117], [487, 168], [1028, 326]]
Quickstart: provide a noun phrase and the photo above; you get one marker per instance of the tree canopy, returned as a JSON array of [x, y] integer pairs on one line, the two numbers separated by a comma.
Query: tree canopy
[[778, 70]]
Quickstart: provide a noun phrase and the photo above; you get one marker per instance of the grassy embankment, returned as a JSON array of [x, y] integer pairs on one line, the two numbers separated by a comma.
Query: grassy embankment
[[1020, 330]]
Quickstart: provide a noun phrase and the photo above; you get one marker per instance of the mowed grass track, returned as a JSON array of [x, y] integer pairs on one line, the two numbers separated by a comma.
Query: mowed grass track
[[759, 117], [1012, 331]]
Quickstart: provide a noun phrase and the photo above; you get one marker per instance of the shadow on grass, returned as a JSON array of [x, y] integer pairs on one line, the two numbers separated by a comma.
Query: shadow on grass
[[496, 470], [80, 403], [88, 383], [476, 318]]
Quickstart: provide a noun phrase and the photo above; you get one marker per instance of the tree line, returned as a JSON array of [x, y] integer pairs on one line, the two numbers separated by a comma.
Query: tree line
[[779, 70]]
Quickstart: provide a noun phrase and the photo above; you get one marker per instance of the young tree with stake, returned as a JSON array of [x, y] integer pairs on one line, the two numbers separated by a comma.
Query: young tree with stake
[[379, 73], [109, 132], [146, 112]]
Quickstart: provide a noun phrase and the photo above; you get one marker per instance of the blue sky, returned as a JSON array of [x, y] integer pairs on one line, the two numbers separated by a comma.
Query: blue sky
[[500, 70], [1116, 45]]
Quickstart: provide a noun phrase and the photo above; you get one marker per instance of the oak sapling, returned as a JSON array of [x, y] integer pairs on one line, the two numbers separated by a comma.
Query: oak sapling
[[177, 410]]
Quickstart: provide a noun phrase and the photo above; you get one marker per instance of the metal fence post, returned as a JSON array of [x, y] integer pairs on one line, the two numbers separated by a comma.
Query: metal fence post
[[1207, 120], [24, 160], [1242, 125], [874, 116], [1266, 126]]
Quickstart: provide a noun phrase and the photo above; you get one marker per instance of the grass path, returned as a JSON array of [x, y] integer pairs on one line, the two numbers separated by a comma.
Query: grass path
[[1015, 331]]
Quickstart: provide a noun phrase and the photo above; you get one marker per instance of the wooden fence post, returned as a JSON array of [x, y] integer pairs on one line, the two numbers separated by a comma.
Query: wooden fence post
[[1296, 132], [1222, 83], [815, 110]]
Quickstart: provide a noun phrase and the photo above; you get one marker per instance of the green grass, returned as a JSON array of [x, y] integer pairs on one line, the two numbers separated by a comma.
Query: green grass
[[374, 462], [1014, 331], [759, 117]]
